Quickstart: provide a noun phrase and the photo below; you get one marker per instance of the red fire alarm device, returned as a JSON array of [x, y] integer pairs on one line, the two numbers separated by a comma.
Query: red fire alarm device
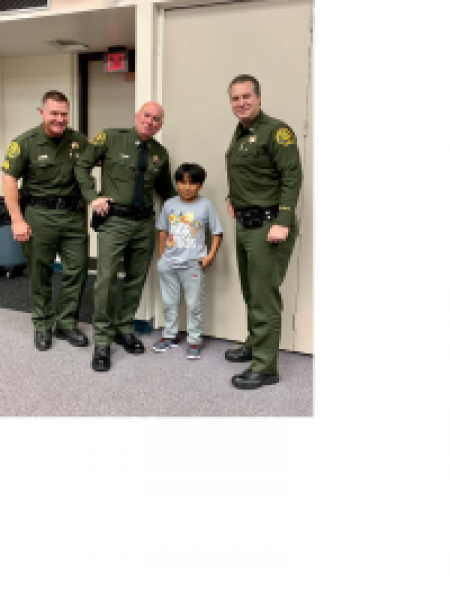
[[116, 60]]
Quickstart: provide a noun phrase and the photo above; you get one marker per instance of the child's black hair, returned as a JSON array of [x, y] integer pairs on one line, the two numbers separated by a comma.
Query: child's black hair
[[196, 173]]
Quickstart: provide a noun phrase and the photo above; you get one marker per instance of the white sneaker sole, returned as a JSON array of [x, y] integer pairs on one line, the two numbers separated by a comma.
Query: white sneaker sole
[[162, 350]]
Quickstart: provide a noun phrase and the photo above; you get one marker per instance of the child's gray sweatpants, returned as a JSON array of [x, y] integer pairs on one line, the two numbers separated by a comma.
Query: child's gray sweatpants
[[193, 282]]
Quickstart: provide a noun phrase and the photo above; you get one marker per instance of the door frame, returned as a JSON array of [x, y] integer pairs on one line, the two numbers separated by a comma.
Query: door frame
[[83, 83]]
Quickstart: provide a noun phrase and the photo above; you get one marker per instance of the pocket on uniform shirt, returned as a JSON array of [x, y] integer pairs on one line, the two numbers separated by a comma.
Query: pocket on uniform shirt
[[254, 153], [123, 170], [152, 172], [45, 169]]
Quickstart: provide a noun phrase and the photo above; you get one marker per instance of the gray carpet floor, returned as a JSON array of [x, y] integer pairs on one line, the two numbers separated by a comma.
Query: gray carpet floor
[[15, 294], [60, 382]]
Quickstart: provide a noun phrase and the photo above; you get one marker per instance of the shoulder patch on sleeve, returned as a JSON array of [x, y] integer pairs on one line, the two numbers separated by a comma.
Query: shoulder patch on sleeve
[[285, 137], [100, 139], [5, 165], [13, 150]]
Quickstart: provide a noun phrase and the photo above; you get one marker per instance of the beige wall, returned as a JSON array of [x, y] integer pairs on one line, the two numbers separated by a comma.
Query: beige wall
[[24, 81]]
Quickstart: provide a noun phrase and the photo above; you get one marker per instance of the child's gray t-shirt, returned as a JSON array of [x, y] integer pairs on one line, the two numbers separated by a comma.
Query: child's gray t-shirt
[[185, 223]]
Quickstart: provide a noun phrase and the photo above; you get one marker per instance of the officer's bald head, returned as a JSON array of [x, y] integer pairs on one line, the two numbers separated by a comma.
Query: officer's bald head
[[149, 119]]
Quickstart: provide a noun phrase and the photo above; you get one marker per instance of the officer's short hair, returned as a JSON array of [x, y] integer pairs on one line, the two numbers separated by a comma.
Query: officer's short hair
[[195, 172], [56, 96], [244, 79]]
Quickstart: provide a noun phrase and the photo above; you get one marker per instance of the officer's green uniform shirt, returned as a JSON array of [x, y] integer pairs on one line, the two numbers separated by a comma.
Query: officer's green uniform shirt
[[263, 166], [46, 164], [117, 149]]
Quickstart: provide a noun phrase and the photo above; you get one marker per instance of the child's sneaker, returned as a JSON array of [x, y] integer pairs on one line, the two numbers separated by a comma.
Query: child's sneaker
[[164, 344], [193, 352]]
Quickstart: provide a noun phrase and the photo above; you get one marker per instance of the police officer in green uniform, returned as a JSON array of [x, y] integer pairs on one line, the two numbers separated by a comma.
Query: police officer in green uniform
[[133, 165], [53, 220], [264, 176]]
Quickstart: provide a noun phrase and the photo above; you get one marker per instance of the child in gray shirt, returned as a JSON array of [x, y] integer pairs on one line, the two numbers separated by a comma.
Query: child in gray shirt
[[183, 256]]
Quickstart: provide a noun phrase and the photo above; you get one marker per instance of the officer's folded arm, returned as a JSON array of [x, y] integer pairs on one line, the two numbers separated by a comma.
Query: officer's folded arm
[[20, 228]]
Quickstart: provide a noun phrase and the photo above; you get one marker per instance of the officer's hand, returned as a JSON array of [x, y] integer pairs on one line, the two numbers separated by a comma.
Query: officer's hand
[[277, 233], [21, 231], [230, 208], [101, 205]]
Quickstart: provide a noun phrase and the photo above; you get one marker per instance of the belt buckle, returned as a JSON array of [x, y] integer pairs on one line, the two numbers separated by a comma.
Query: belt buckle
[[60, 203]]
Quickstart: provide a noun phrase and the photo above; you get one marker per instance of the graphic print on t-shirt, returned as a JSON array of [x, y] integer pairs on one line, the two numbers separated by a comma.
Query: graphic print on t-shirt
[[183, 229]]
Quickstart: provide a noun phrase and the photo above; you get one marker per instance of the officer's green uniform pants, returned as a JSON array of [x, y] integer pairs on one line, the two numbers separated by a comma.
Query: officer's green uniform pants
[[62, 232], [262, 268], [133, 241]]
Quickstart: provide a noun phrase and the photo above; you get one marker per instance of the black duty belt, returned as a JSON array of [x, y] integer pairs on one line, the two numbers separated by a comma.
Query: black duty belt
[[132, 212], [57, 203], [254, 217]]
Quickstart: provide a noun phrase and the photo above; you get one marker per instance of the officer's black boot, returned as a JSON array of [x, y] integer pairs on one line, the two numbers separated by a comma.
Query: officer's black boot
[[101, 360], [129, 342], [253, 380], [241, 354], [73, 336], [43, 339]]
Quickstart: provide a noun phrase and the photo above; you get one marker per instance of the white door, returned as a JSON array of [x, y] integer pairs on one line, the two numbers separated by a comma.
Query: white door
[[304, 318], [203, 49]]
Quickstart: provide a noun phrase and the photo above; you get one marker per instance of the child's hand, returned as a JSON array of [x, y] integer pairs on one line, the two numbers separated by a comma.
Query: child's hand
[[206, 261]]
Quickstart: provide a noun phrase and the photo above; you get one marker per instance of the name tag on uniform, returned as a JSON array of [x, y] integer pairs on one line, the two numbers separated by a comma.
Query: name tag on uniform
[[42, 157], [124, 156], [252, 139]]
